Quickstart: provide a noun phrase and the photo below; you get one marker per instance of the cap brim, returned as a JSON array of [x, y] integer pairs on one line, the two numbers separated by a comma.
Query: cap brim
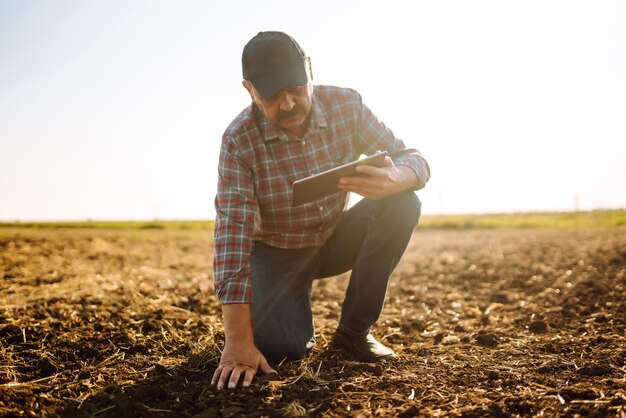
[[268, 86]]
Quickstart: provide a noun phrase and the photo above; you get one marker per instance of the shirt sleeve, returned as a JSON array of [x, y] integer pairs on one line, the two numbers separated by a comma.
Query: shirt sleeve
[[373, 136], [236, 208]]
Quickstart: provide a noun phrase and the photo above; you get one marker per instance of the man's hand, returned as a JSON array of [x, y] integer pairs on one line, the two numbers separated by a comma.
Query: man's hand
[[240, 356], [380, 182], [242, 359]]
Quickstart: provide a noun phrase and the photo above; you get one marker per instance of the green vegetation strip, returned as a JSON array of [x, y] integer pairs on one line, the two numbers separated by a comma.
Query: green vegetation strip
[[594, 218]]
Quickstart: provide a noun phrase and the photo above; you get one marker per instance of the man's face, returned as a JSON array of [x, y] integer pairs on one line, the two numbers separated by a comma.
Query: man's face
[[289, 109]]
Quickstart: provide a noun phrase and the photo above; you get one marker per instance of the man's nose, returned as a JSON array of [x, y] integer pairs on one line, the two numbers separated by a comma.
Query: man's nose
[[286, 101]]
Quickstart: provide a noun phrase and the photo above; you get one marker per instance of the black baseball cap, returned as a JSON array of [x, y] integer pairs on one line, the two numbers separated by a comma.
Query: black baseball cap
[[273, 61]]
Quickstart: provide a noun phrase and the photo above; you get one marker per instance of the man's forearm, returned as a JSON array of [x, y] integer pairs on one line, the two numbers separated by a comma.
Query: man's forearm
[[237, 322]]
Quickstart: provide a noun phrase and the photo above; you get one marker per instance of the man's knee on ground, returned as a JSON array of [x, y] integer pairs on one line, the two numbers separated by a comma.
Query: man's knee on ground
[[277, 351]]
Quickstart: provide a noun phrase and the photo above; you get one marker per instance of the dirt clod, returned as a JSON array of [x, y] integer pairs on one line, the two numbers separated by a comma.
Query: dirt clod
[[595, 369], [83, 375], [487, 339], [538, 327], [47, 367], [410, 412]]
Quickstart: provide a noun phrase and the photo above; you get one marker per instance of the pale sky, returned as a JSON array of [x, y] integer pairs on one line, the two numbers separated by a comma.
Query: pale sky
[[115, 110]]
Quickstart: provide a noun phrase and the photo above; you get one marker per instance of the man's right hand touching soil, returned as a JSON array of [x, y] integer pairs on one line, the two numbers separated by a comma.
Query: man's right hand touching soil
[[240, 356]]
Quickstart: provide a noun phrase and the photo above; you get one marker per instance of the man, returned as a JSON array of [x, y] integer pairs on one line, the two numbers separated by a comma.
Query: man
[[267, 253]]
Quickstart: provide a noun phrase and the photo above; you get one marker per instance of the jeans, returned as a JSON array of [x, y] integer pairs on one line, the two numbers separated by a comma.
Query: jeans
[[369, 240]]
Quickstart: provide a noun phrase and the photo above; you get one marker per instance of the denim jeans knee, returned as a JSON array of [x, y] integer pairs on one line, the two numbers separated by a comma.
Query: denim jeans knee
[[405, 208], [287, 349]]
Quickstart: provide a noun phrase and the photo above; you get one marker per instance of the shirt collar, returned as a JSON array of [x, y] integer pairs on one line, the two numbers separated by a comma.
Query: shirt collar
[[270, 132]]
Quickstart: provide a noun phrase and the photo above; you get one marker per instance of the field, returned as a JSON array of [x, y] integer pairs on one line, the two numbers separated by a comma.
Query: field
[[490, 321]]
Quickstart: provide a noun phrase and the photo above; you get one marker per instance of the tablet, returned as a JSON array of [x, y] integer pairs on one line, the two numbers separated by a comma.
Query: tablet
[[325, 183]]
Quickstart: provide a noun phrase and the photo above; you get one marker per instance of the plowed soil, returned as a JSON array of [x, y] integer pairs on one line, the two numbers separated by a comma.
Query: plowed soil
[[485, 323]]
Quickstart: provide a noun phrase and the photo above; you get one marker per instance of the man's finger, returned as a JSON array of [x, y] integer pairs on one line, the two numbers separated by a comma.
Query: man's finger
[[247, 377], [216, 375], [265, 367], [234, 377], [224, 377], [369, 181], [371, 170], [376, 171], [364, 190], [371, 174]]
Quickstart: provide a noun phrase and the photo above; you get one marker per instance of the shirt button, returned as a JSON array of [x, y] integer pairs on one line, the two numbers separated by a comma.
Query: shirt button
[[304, 142], [321, 207]]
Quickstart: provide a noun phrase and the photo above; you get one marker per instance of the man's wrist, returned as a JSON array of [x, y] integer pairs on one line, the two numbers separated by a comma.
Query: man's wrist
[[410, 181], [237, 323]]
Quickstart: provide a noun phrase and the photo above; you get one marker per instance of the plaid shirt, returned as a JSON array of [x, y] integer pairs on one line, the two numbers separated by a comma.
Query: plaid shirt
[[257, 166]]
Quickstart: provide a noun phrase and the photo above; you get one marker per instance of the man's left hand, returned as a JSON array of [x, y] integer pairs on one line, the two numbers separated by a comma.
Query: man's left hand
[[380, 182]]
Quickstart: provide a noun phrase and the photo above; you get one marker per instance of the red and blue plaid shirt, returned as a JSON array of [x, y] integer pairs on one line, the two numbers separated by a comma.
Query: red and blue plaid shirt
[[258, 165]]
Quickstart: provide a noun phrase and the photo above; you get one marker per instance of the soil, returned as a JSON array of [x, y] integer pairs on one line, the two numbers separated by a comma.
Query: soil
[[485, 323]]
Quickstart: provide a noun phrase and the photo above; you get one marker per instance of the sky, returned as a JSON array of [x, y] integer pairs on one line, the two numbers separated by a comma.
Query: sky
[[115, 110]]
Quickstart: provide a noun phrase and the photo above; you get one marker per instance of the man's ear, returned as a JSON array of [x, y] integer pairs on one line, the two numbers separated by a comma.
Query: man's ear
[[248, 87]]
